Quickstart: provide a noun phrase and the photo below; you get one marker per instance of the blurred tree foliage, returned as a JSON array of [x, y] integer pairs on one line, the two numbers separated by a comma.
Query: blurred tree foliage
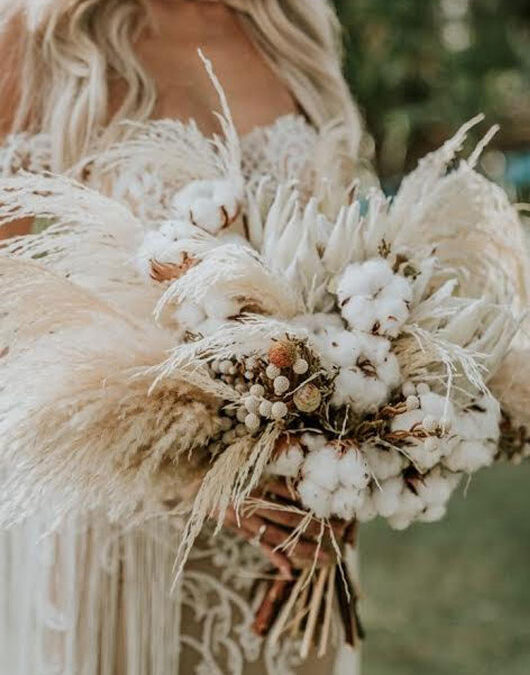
[[419, 68]]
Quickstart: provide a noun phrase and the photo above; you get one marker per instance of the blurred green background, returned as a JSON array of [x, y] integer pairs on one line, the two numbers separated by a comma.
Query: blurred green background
[[420, 68], [451, 598]]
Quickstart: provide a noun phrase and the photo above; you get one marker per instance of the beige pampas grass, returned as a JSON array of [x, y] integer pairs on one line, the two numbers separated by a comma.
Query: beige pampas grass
[[79, 425]]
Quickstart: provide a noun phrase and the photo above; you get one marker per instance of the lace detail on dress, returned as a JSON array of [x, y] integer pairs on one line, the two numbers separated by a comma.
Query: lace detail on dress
[[220, 593], [25, 152]]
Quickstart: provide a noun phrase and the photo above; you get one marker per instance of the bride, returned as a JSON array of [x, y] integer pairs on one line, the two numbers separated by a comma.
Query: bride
[[86, 595]]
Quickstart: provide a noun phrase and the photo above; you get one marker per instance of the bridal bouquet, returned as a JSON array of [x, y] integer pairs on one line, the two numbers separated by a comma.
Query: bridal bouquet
[[368, 358]]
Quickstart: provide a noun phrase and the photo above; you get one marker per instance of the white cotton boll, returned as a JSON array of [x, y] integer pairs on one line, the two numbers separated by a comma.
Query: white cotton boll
[[210, 326], [189, 315], [398, 288], [321, 467], [315, 498], [436, 406], [288, 462], [470, 456], [345, 502], [435, 488], [362, 393], [387, 496], [313, 441], [217, 305], [353, 470], [390, 314], [226, 196], [400, 521], [432, 514], [366, 511], [426, 453], [410, 507], [207, 215], [318, 323], [366, 278], [479, 421], [388, 371], [340, 347], [178, 229], [383, 462], [360, 312], [407, 420]]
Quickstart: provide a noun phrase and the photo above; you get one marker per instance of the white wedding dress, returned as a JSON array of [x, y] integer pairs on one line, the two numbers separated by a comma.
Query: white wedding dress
[[87, 597]]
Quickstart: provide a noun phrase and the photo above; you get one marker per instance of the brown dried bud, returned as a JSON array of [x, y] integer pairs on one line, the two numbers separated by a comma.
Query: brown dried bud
[[169, 271], [282, 354], [308, 398]]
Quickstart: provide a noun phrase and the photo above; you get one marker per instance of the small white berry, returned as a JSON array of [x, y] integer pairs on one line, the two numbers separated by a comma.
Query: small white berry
[[232, 370], [229, 436], [251, 362], [301, 367], [412, 402], [423, 388], [265, 409], [252, 422], [272, 371], [224, 367], [226, 423], [251, 403], [409, 389], [241, 414], [279, 410], [249, 375], [430, 423], [281, 385], [241, 430], [257, 390]]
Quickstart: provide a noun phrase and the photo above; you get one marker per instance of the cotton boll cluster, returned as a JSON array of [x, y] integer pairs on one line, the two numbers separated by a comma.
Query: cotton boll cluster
[[425, 426], [477, 427], [422, 498], [333, 478], [374, 299], [211, 205]]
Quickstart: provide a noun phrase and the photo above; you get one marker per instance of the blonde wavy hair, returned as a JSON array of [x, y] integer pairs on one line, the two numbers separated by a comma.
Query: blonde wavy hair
[[72, 48]]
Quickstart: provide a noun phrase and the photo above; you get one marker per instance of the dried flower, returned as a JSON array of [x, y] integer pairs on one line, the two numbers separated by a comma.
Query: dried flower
[[282, 354], [308, 398]]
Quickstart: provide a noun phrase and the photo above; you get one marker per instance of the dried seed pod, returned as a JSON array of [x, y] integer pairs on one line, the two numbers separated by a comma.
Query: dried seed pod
[[279, 410], [281, 385], [252, 422], [301, 367], [282, 354], [308, 398], [257, 390], [272, 371]]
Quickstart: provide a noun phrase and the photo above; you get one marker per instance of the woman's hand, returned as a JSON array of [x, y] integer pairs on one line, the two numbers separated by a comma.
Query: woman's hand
[[269, 528]]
